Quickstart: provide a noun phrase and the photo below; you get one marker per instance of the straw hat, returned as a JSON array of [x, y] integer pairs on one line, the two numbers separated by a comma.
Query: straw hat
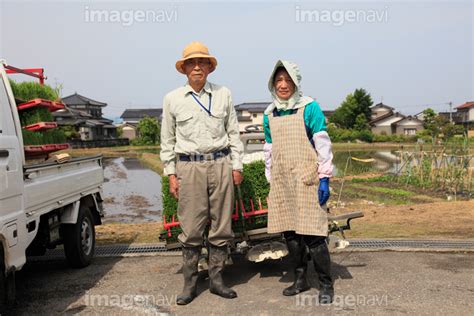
[[195, 50]]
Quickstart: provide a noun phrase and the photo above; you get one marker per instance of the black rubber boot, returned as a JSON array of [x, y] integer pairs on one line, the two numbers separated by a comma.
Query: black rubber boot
[[296, 249], [322, 265], [190, 273], [217, 257]]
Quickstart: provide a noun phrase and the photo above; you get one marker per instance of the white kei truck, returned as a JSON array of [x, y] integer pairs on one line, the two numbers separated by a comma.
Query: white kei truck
[[42, 205]]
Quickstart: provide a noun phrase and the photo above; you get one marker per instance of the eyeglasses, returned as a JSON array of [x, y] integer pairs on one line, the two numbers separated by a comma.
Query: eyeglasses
[[201, 62]]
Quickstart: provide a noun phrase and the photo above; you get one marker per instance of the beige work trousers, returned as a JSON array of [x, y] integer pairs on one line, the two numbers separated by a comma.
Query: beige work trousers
[[206, 192]]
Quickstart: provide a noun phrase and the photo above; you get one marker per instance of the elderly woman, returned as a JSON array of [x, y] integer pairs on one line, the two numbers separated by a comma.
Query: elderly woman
[[298, 157]]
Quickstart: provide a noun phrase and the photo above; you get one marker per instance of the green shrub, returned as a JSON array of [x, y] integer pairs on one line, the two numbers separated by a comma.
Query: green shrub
[[69, 132], [395, 138], [364, 135], [349, 135]]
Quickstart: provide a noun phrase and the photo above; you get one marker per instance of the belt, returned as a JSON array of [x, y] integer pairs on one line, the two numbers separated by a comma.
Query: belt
[[200, 157]]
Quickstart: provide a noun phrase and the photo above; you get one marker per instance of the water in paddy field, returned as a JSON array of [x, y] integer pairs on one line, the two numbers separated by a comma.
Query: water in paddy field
[[132, 192], [384, 161]]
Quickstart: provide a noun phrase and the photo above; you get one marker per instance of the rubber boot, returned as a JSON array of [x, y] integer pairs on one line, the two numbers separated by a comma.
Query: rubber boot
[[217, 258], [297, 253], [190, 273], [322, 265]]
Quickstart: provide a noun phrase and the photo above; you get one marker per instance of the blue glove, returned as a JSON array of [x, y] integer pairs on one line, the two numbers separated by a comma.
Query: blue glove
[[323, 191]]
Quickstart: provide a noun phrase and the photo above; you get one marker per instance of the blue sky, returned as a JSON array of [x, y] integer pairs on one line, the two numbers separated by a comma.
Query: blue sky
[[419, 54]]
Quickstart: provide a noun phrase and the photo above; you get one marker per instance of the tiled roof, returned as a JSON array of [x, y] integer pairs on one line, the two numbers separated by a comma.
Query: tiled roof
[[77, 99], [141, 113], [466, 105], [381, 105], [252, 106]]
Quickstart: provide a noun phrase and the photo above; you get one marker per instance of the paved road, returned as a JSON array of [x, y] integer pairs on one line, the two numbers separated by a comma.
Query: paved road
[[366, 283]]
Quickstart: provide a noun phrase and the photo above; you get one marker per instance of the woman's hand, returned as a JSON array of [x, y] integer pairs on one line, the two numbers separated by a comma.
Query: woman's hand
[[323, 191]]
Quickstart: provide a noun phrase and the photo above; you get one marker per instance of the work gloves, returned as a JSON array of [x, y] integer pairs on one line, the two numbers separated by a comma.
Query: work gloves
[[323, 191]]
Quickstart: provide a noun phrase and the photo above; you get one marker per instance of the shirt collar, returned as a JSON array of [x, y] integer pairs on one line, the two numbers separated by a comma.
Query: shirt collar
[[207, 88]]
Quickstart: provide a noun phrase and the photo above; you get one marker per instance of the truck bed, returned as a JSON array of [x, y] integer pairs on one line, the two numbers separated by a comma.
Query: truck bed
[[50, 185]]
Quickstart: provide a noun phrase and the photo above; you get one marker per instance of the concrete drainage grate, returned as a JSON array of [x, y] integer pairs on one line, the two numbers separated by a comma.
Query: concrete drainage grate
[[428, 244], [160, 248], [113, 251]]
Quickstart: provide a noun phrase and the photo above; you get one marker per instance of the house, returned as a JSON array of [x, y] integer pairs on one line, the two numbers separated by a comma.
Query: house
[[131, 118], [380, 109], [129, 130], [465, 113], [85, 115], [385, 121], [250, 113], [408, 126]]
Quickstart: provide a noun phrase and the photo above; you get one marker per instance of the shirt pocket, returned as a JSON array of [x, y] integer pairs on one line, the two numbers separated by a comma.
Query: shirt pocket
[[216, 126], [184, 124]]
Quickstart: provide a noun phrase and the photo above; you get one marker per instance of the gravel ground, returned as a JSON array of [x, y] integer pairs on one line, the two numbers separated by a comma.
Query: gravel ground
[[366, 283]]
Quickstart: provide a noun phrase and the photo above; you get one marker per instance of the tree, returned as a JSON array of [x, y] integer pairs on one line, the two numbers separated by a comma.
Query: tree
[[449, 129], [431, 123], [364, 102], [344, 116], [355, 104], [361, 123], [435, 125], [148, 131]]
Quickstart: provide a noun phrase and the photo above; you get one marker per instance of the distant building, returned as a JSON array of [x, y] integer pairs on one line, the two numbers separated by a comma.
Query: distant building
[[131, 118], [409, 125], [85, 115], [385, 121], [465, 114], [380, 110], [250, 113]]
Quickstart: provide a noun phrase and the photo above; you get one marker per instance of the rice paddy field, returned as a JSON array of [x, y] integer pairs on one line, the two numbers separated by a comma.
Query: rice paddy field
[[404, 191]]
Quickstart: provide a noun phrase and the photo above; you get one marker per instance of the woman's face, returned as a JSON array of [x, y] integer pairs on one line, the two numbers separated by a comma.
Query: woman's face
[[284, 86]]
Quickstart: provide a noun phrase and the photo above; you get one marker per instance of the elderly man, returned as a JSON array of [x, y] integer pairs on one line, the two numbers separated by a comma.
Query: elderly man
[[202, 155]]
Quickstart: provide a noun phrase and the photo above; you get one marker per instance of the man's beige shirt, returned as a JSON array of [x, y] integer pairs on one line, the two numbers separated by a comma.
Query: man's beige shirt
[[188, 129]]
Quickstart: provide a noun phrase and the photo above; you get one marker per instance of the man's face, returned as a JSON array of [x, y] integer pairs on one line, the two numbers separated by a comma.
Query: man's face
[[197, 69], [284, 86]]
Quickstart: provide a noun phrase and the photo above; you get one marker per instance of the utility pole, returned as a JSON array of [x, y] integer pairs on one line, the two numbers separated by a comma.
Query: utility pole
[[450, 111]]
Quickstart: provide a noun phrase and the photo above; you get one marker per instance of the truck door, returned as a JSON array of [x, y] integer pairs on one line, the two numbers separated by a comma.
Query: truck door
[[12, 217]]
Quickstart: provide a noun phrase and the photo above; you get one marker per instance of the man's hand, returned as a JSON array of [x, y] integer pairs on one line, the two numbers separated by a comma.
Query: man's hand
[[323, 191], [237, 176], [174, 186]]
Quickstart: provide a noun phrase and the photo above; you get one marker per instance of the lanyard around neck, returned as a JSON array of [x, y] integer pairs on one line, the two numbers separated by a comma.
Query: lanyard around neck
[[202, 106]]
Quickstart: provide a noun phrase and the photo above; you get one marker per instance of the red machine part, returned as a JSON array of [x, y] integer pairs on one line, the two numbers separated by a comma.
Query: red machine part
[[41, 126], [42, 150], [235, 215], [33, 72], [51, 105]]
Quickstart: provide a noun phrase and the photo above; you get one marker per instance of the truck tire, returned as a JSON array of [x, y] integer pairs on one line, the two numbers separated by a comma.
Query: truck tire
[[7, 286], [79, 239]]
